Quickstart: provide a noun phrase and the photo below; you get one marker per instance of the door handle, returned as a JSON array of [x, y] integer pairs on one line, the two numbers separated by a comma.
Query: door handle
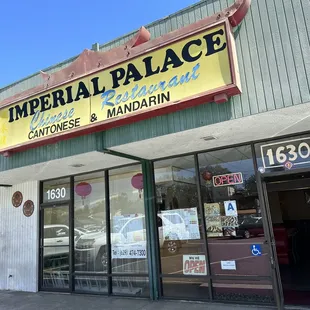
[[59, 240]]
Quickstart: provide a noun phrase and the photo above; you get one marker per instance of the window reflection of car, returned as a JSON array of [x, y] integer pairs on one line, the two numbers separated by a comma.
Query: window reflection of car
[[56, 239], [91, 248], [251, 226], [172, 229]]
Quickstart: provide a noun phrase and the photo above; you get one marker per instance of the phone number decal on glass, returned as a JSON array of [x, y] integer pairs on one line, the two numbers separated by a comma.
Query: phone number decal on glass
[[286, 153], [128, 251]]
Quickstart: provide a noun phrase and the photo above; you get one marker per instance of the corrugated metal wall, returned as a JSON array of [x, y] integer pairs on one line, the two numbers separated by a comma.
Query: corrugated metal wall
[[19, 240], [274, 62]]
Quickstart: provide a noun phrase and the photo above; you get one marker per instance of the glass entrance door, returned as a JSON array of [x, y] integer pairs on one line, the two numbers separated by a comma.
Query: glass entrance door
[[55, 243], [288, 202]]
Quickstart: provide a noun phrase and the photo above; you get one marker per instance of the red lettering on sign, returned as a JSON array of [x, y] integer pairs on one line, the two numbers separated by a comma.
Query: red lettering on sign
[[186, 266], [194, 266], [238, 178], [202, 267], [227, 179]]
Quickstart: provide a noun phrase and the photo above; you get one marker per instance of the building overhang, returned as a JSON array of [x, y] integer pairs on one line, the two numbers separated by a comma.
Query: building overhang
[[226, 135]]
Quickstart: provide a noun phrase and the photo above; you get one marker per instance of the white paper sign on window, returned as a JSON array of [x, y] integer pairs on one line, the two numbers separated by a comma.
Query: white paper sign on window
[[228, 265], [231, 208], [194, 265], [180, 224]]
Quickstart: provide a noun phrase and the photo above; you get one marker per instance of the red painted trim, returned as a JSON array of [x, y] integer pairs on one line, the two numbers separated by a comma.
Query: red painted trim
[[221, 98], [238, 11]]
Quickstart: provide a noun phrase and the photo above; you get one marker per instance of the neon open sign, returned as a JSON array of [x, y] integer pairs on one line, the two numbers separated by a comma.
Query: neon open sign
[[227, 179]]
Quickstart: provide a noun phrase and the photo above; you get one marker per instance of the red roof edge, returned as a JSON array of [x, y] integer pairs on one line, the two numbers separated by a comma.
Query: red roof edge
[[238, 11]]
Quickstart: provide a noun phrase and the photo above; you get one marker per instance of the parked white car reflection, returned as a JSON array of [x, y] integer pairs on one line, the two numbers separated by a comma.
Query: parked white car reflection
[[129, 234], [56, 239]]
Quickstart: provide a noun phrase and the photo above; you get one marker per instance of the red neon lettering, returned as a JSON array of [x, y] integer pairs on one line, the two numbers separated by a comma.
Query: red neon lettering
[[230, 179], [227, 179], [237, 178], [224, 179], [217, 181]]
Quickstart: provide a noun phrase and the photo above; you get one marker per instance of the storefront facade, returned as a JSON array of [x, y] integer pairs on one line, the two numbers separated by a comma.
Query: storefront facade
[[173, 166]]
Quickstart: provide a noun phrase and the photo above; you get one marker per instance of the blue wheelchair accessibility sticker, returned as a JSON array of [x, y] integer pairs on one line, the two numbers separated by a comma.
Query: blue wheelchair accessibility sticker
[[256, 250]]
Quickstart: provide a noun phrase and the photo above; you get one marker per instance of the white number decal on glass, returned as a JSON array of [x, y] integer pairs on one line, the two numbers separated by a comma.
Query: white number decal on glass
[[292, 151], [270, 156], [303, 146], [281, 158], [56, 193], [289, 152]]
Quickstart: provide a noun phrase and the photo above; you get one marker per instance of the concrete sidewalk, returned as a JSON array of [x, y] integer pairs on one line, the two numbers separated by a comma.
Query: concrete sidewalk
[[51, 301]]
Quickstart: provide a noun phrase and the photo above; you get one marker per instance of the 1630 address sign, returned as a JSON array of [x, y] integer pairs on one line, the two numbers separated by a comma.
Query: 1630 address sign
[[57, 193], [286, 153]]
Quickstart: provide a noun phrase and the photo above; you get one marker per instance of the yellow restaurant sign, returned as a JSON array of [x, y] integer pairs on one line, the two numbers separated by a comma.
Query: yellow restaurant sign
[[195, 65]]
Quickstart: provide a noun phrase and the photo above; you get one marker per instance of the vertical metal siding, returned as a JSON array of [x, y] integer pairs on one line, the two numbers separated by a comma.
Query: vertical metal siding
[[19, 240]]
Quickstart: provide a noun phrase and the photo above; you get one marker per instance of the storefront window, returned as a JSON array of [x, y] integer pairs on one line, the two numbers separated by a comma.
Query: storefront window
[[234, 222], [182, 249], [90, 223], [128, 231]]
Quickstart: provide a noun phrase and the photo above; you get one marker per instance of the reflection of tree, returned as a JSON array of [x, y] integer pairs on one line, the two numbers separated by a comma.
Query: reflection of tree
[[215, 170], [121, 204], [178, 195], [250, 185]]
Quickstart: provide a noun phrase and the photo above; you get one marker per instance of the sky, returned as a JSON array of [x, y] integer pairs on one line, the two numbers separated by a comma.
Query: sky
[[37, 34]]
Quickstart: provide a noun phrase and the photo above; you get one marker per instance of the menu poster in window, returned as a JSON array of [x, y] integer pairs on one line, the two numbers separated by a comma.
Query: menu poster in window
[[214, 226], [213, 219], [229, 224], [212, 209], [180, 224]]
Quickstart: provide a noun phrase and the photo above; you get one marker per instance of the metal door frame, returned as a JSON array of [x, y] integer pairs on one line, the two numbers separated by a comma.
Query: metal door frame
[[43, 207], [268, 231], [276, 276]]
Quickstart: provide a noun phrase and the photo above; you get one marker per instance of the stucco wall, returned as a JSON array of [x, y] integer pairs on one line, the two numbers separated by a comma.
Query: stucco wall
[[19, 240]]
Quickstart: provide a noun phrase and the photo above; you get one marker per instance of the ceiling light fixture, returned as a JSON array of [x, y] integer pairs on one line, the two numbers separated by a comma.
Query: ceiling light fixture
[[77, 165], [208, 138]]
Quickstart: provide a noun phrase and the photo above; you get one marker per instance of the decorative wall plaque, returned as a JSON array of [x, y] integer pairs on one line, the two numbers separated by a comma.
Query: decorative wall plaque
[[17, 199], [28, 208]]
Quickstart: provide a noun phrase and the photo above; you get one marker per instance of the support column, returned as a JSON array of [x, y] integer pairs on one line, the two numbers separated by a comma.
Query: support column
[[151, 227]]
